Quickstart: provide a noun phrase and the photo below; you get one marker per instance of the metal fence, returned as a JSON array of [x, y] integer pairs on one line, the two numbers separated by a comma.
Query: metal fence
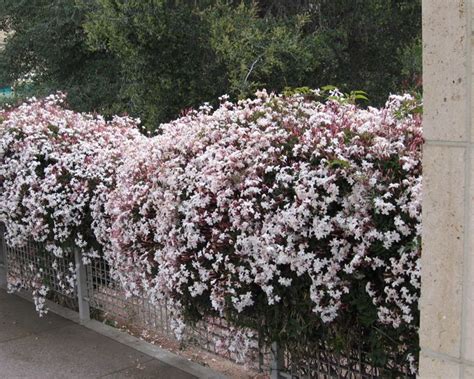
[[96, 295], [319, 362], [107, 301], [27, 265]]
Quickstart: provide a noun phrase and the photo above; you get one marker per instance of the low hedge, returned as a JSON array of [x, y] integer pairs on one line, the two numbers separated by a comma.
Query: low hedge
[[296, 215]]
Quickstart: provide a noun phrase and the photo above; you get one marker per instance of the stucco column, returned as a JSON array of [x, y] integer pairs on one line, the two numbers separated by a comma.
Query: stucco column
[[447, 293]]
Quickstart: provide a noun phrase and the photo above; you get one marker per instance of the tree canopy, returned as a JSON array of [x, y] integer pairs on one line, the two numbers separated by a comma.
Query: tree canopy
[[156, 58]]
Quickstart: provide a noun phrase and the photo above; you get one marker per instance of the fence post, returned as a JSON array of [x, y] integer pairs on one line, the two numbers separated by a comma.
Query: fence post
[[277, 361], [3, 257], [82, 295]]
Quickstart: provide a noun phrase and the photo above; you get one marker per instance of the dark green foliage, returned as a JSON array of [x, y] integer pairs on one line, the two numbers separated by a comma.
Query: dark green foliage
[[168, 64], [47, 44], [376, 35], [156, 58], [176, 55]]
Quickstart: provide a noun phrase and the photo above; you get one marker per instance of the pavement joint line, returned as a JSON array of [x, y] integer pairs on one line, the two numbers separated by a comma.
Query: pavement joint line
[[126, 339]]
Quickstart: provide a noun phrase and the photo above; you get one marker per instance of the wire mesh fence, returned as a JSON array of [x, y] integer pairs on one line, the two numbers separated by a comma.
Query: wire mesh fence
[[321, 363], [104, 299], [108, 302], [29, 266]]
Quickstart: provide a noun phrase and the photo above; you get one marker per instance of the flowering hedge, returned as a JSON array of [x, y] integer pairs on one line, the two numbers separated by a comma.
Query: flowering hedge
[[295, 217], [55, 166]]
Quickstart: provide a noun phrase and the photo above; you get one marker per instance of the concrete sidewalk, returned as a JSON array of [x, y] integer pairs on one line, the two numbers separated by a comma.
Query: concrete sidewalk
[[54, 347]]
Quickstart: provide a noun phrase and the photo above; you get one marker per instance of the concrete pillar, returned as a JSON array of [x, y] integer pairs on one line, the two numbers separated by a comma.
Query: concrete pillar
[[447, 293]]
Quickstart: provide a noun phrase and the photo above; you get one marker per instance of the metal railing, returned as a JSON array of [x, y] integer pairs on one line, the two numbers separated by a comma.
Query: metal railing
[[29, 265], [320, 362], [3, 258], [95, 294]]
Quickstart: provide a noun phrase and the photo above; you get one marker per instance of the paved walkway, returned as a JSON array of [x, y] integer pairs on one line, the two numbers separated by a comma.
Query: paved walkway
[[54, 347]]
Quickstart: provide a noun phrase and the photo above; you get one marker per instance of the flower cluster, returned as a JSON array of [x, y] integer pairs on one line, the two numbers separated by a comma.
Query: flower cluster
[[55, 166], [230, 209], [282, 213]]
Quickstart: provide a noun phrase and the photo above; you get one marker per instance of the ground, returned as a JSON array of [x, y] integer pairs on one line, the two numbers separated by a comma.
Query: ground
[[54, 347]]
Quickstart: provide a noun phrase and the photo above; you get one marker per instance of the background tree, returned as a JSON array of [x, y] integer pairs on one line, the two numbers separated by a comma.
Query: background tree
[[156, 58], [165, 52], [46, 51]]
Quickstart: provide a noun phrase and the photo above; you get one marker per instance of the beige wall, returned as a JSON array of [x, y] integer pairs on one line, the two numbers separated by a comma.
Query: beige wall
[[447, 299]]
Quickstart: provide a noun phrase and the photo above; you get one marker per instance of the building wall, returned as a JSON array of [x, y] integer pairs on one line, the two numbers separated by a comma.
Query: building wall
[[447, 295]]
